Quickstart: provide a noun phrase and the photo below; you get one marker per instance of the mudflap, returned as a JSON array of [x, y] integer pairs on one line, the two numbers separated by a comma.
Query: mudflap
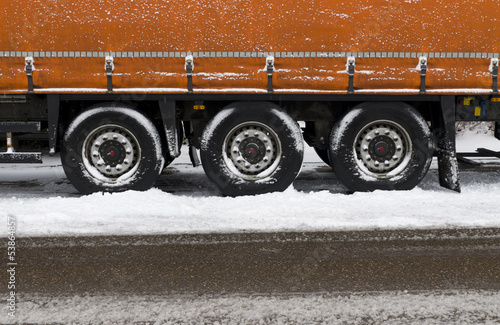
[[170, 123], [443, 122]]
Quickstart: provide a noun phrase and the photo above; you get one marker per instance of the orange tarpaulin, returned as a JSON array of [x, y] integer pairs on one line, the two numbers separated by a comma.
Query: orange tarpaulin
[[310, 41]]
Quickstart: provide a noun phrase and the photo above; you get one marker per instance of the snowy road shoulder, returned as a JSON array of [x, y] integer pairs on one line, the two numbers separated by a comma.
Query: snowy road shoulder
[[156, 212], [458, 307]]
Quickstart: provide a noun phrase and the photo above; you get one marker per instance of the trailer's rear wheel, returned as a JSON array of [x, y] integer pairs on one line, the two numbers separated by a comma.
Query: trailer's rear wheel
[[386, 146], [252, 148], [112, 149]]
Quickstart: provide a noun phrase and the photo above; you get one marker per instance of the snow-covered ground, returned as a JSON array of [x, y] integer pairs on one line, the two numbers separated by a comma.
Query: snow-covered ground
[[448, 307], [55, 208]]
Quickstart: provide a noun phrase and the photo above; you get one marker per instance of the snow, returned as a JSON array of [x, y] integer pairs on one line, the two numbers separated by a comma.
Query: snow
[[446, 307], [477, 135]]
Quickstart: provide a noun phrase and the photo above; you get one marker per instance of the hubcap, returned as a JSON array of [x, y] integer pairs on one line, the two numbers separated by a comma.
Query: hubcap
[[252, 150], [382, 149], [110, 152]]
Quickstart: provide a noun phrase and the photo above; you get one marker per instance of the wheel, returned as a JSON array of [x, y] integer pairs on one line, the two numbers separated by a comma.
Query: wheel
[[386, 146], [252, 148], [323, 155], [112, 149]]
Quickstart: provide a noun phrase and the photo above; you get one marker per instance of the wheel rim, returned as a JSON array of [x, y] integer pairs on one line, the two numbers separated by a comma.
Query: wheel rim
[[383, 149], [111, 153], [252, 151]]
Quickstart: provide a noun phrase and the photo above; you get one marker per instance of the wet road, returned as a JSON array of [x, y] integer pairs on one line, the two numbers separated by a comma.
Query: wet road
[[262, 263]]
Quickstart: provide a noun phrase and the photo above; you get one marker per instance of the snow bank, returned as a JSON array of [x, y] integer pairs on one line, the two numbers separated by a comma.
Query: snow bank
[[157, 212]]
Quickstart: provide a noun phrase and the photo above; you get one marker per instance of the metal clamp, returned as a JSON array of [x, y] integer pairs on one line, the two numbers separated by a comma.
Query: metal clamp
[[494, 75], [189, 66], [110, 67], [351, 67], [270, 72], [422, 66], [29, 67]]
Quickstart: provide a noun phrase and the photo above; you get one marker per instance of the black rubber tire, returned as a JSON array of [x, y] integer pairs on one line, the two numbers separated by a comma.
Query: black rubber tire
[[77, 164], [220, 169], [348, 166]]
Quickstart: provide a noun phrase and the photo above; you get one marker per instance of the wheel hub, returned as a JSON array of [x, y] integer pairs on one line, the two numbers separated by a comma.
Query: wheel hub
[[252, 148], [382, 147], [112, 150]]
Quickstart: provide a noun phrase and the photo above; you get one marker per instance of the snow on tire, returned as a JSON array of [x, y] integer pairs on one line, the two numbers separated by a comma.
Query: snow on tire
[[252, 148], [381, 146], [112, 149]]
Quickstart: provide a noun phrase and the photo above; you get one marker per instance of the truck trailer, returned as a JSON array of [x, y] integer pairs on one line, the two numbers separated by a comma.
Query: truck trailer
[[374, 86]]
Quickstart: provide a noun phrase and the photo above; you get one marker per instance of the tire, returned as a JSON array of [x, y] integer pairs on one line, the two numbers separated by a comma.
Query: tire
[[252, 148], [112, 149], [381, 146]]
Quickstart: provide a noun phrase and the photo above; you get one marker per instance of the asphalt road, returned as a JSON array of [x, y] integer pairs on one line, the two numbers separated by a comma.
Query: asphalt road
[[261, 263]]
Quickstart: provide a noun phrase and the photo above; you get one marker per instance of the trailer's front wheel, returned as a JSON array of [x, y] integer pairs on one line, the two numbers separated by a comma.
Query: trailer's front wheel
[[386, 146], [252, 148], [112, 149]]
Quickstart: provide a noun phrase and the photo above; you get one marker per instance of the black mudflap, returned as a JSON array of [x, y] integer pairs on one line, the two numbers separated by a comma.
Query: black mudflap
[[444, 129]]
